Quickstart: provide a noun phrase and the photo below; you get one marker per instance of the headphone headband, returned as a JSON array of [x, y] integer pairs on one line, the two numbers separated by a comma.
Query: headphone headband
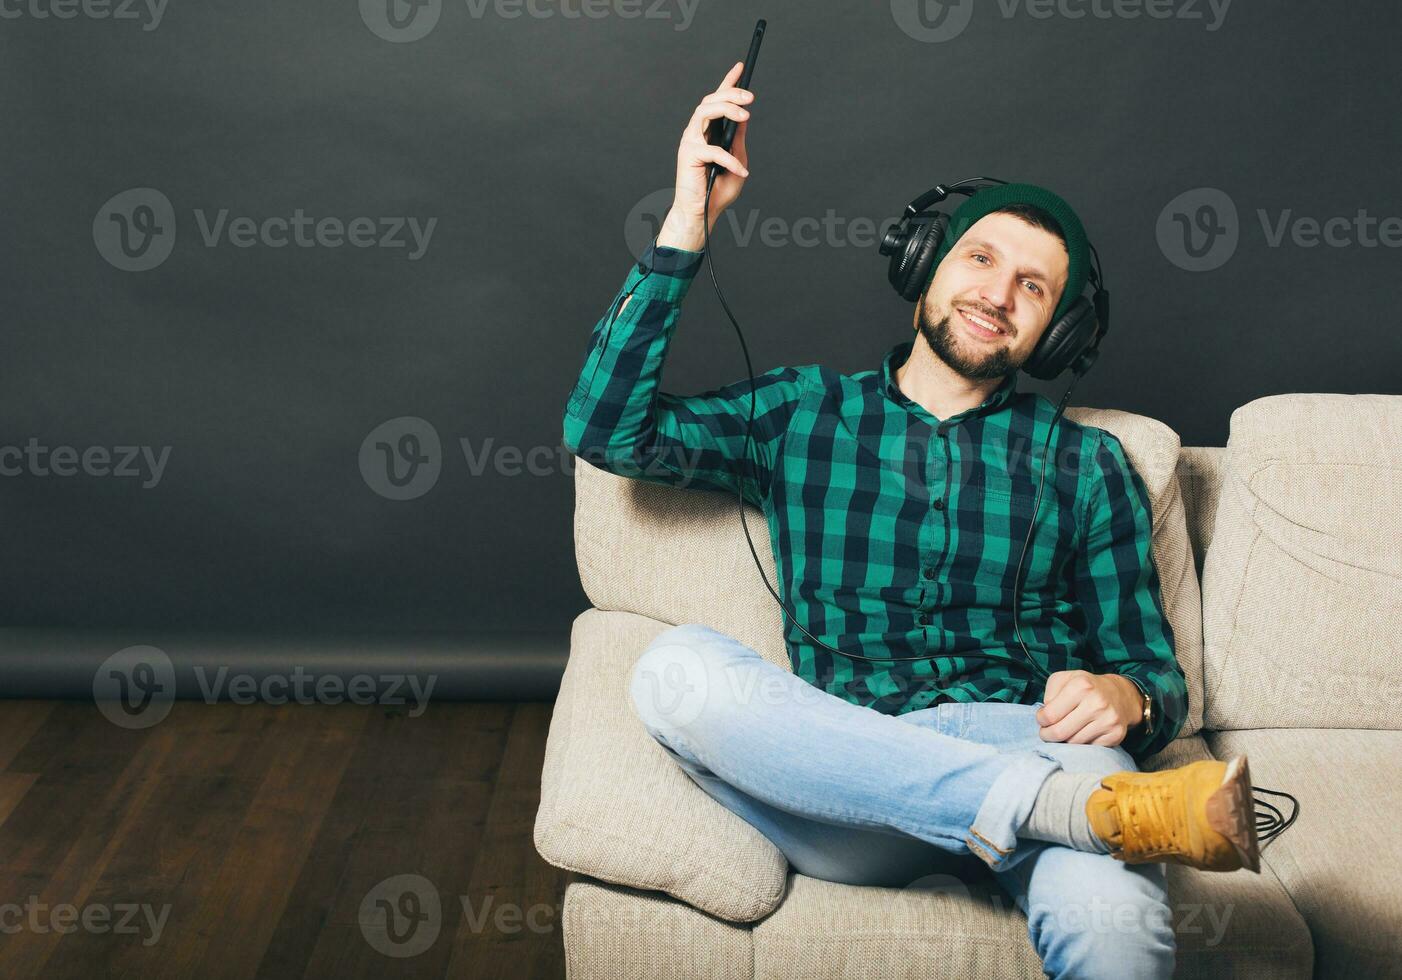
[[940, 192]]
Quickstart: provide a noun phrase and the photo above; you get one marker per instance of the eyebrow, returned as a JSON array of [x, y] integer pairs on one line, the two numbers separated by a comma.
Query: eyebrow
[[1024, 272]]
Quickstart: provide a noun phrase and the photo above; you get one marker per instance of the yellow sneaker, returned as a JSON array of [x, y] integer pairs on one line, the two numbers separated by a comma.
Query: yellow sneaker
[[1201, 815]]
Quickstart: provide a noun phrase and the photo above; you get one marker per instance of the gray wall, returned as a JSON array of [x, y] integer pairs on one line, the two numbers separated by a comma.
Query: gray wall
[[529, 140]]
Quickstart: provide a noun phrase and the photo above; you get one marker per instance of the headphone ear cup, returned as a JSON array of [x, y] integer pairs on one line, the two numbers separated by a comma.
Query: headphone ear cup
[[912, 266], [1063, 341]]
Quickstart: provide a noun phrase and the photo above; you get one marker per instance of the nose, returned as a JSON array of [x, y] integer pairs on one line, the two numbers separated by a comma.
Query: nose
[[998, 291]]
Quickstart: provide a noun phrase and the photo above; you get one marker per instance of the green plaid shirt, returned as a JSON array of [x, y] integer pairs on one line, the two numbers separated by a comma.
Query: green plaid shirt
[[894, 532]]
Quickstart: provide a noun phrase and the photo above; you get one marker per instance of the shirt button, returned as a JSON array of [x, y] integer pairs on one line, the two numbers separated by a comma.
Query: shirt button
[[929, 573], [923, 619], [939, 503]]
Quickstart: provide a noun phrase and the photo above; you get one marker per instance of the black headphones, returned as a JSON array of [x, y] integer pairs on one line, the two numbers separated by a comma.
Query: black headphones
[[913, 243]]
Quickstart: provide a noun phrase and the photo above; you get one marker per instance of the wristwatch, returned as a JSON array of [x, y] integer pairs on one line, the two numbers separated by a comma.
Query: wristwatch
[[1148, 720]]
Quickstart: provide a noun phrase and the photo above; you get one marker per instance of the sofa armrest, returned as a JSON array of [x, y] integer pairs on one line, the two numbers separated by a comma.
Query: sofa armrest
[[616, 807]]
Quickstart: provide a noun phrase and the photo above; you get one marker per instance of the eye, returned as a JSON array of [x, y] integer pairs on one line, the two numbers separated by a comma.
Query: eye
[[980, 255], [1036, 289]]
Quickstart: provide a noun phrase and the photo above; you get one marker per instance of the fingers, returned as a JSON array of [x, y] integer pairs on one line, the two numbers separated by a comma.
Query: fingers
[[737, 146], [707, 111], [1064, 691], [724, 102], [714, 154], [1068, 729], [732, 76], [1113, 737]]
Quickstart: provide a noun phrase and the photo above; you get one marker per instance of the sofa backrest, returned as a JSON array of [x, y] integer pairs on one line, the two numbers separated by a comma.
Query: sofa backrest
[[1200, 482], [679, 555], [1302, 584]]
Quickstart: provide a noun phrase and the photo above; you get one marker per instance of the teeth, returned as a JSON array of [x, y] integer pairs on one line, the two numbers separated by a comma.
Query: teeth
[[982, 322]]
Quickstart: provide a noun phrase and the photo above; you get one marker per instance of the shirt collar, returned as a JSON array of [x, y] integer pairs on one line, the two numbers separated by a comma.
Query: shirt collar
[[897, 356]]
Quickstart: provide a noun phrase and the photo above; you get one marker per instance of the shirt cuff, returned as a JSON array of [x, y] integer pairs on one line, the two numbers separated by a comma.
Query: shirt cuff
[[672, 271], [678, 262]]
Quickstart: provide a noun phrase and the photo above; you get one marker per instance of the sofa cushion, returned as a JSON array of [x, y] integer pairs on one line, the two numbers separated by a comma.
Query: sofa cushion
[[965, 925], [615, 806], [1302, 587], [1340, 859], [1200, 479], [617, 933], [679, 555]]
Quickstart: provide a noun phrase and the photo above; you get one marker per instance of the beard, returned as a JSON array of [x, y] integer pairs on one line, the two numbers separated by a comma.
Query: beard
[[959, 352]]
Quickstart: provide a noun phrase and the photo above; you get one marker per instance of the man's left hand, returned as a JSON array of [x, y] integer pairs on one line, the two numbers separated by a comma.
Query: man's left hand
[[1084, 708]]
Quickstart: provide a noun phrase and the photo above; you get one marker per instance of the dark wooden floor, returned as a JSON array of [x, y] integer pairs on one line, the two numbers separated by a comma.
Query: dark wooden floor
[[260, 831]]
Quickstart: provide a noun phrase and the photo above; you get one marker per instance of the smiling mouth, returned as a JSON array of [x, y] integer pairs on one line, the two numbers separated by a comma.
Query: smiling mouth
[[981, 326]]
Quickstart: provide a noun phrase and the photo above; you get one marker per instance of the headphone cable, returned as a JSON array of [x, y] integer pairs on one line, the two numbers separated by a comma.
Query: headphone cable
[[1270, 821], [1031, 664]]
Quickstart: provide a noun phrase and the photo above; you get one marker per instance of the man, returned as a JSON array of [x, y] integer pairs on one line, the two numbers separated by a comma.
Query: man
[[872, 771]]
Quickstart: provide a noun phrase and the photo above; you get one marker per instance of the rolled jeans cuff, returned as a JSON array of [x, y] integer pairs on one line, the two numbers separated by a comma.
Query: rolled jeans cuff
[[993, 834]]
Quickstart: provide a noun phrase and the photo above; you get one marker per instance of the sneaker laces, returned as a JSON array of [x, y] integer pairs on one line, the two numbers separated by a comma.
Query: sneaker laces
[[1270, 820]]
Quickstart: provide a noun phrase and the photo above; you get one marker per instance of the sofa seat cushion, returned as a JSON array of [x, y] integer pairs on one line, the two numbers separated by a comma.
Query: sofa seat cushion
[[618, 933], [615, 806], [1340, 860], [1236, 924], [943, 926]]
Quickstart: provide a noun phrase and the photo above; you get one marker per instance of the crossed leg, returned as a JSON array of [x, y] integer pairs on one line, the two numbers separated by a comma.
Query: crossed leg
[[854, 796]]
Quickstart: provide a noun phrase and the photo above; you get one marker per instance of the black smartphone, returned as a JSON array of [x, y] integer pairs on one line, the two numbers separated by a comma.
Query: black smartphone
[[721, 132]]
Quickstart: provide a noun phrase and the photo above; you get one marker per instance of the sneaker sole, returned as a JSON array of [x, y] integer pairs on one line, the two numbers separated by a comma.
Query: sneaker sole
[[1231, 812]]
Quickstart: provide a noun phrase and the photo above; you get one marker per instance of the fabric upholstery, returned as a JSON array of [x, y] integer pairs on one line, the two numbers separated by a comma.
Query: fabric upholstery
[[1200, 481], [615, 806], [617, 933], [1303, 584], [1232, 925], [1340, 860]]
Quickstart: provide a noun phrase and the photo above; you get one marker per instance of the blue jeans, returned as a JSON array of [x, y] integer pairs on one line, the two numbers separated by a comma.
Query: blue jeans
[[851, 795]]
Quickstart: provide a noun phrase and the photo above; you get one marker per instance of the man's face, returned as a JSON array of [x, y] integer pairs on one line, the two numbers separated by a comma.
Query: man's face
[[1005, 274]]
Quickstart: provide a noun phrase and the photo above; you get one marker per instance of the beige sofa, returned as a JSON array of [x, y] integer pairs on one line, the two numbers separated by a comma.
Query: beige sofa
[[1292, 651]]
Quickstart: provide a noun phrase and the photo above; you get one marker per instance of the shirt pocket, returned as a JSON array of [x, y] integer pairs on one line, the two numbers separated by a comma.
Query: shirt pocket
[[1005, 508]]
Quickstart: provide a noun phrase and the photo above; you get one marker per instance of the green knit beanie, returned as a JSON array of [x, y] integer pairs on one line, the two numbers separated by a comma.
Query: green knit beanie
[[990, 199]]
